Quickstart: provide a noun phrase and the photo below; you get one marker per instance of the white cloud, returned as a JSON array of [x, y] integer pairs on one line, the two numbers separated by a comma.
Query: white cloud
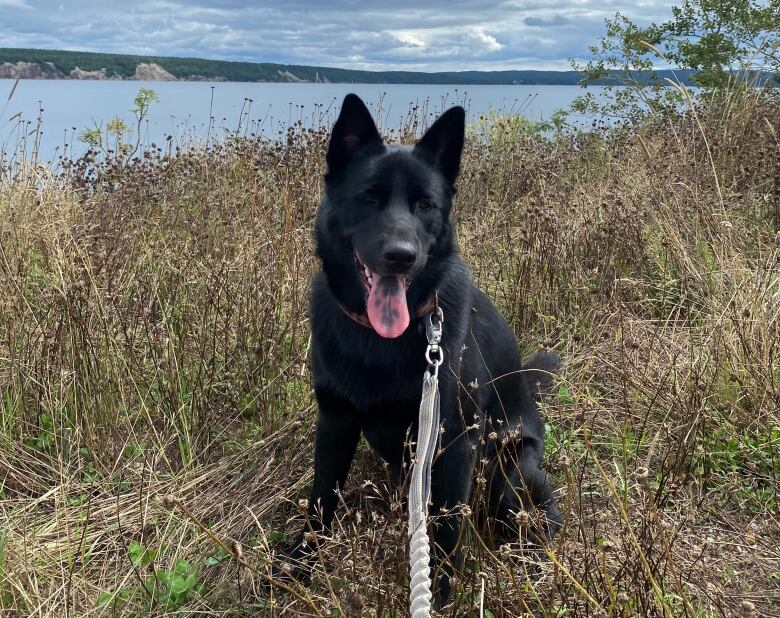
[[409, 39], [488, 40], [366, 34], [14, 4]]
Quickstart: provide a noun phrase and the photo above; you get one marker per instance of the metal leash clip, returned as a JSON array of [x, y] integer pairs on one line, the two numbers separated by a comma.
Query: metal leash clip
[[433, 328]]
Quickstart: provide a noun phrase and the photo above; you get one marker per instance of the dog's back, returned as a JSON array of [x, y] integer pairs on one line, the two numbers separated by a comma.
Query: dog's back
[[539, 372]]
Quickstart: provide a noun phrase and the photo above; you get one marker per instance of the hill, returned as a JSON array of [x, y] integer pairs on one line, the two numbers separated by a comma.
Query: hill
[[58, 64]]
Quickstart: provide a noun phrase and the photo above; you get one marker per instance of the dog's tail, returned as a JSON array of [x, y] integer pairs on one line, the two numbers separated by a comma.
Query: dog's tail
[[539, 372]]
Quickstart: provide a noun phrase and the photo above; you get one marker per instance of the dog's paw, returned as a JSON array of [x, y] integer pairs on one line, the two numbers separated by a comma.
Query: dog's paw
[[289, 569], [293, 564]]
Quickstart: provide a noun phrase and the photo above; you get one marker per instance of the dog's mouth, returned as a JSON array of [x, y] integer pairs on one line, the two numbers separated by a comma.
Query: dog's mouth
[[386, 304]]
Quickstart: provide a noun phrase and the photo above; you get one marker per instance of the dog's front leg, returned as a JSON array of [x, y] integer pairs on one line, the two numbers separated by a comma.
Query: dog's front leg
[[338, 431]]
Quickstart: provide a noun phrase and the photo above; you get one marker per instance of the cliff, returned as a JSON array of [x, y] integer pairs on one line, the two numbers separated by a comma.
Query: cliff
[[145, 71], [57, 64]]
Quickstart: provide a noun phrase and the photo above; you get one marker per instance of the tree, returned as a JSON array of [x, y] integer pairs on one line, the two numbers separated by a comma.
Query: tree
[[718, 44], [724, 41]]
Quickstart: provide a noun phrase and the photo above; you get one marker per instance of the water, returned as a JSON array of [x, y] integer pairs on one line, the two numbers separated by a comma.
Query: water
[[184, 108]]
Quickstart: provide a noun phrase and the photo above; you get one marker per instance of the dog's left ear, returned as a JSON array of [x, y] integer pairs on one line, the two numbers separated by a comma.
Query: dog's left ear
[[354, 131], [442, 144]]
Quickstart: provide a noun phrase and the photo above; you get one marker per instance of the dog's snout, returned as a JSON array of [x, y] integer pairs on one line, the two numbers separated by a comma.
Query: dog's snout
[[400, 256]]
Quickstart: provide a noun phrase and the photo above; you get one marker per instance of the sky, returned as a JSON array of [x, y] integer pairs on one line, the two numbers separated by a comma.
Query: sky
[[445, 35]]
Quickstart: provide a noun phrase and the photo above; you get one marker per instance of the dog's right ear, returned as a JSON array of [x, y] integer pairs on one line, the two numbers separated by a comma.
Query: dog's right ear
[[354, 131]]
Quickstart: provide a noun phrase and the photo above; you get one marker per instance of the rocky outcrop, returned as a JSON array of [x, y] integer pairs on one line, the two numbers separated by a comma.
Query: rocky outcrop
[[287, 76], [78, 73], [146, 71], [151, 72], [30, 70], [203, 78]]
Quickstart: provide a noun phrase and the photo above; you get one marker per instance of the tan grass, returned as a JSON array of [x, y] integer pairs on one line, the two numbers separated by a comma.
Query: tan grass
[[154, 340]]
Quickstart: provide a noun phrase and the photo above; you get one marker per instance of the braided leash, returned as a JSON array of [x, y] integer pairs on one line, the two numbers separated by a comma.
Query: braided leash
[[420, 488]]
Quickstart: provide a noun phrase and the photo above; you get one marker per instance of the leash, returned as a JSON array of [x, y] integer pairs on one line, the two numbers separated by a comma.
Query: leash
[[420, 596]]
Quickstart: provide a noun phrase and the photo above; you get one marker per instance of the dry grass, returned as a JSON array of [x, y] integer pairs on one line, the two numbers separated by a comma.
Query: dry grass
[[153, 341]]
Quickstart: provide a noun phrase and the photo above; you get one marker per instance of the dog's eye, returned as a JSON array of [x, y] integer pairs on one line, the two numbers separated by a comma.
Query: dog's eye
[[424, 204]]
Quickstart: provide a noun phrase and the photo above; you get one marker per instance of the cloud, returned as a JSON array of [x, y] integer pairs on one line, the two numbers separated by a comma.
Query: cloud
[[14, 4], [363, 34], [544, 22], [488, 41]]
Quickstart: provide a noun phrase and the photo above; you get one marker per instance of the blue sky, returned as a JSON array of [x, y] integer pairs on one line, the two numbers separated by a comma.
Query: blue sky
[[369, 34]]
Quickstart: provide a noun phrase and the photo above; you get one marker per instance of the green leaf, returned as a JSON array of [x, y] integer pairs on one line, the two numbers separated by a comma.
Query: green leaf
[[118, 598], [179, 585], [105, 598], [139, 555], [564, 395], [182, 567]]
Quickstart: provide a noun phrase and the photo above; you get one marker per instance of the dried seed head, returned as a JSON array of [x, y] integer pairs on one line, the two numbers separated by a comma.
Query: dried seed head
[[747, 609], [310, 537], [607, 546], [356, 604], [286, 567], [523, 519], [622, 598], [236, 550], [169, 501], [563, 462], [465, 510], [303, 504], [642, 475]]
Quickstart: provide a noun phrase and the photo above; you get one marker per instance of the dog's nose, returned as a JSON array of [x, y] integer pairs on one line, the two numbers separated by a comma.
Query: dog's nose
[[400, 256]]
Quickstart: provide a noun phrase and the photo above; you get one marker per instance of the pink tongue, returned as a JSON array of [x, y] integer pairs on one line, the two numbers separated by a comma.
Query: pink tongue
[[387, 309]]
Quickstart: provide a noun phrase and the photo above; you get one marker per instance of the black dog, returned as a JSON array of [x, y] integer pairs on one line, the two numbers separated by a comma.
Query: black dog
[[387, 247]]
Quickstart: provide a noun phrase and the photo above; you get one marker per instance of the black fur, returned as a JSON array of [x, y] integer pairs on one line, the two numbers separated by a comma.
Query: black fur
[[379, 196]]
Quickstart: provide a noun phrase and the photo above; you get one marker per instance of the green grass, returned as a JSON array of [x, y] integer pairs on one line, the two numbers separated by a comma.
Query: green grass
[[154, 341]]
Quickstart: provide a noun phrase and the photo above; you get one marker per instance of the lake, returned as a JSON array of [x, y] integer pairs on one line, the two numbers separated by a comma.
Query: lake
[[184, 108]]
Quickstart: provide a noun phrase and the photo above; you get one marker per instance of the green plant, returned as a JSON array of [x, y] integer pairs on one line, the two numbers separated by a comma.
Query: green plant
[[217, 558], [717, 44], [172, 588], [140, 556], [168, 588], [120, 131], [45, 436], [115, 600], [92, 137]]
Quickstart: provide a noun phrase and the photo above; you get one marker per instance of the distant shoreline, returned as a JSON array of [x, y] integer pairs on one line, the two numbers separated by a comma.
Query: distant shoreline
[[74, 65], [259, 82]]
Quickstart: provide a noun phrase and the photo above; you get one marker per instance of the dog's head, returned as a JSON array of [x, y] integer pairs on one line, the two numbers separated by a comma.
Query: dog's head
[[384, 221]]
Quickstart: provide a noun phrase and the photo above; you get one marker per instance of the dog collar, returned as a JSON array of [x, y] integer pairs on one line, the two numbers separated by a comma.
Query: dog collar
[[362, 318]]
